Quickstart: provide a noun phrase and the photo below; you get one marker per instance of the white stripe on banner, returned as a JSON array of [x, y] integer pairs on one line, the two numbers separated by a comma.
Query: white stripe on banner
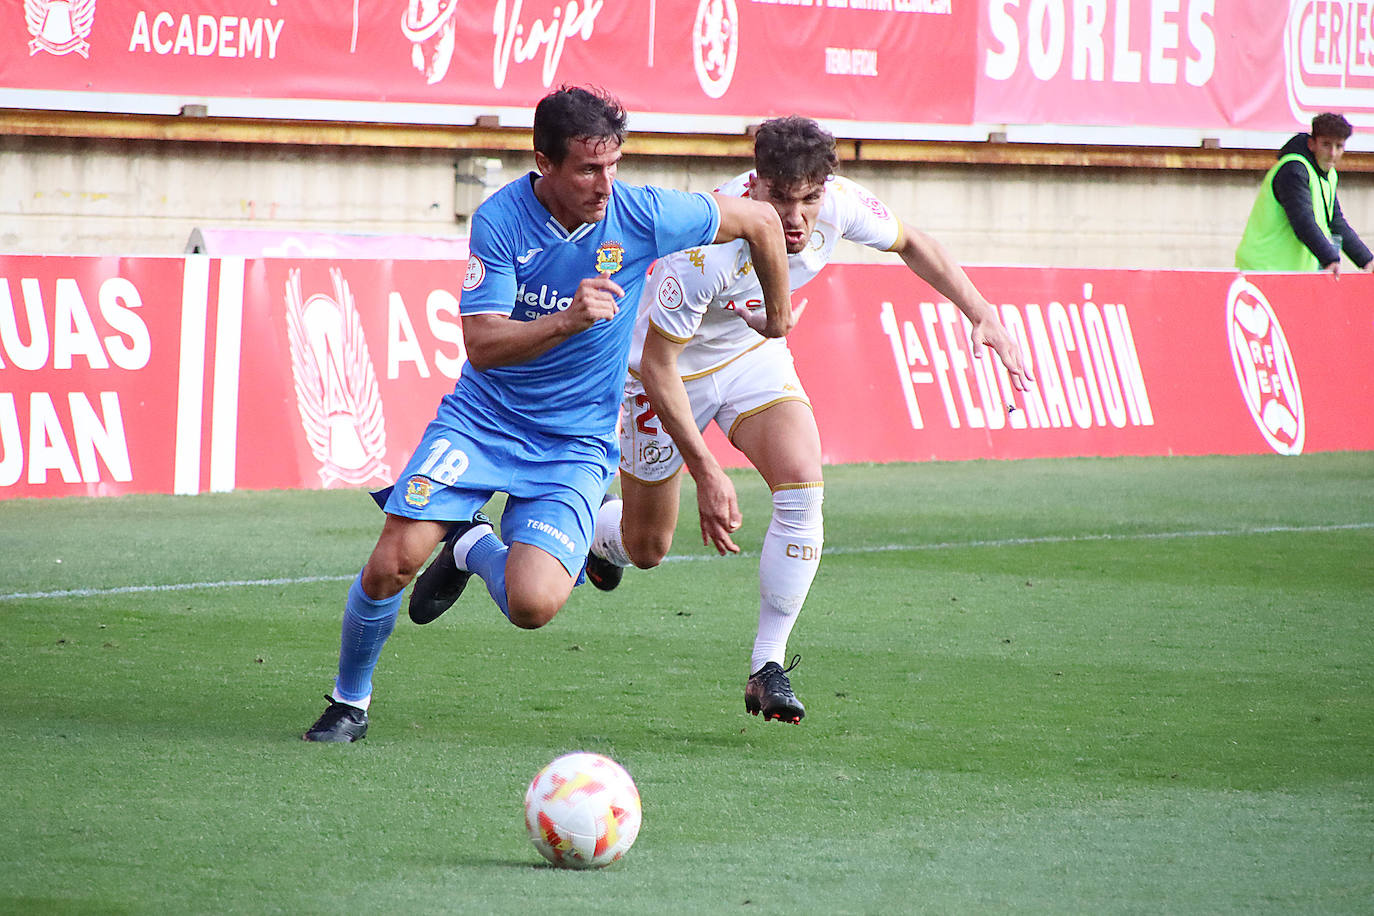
[[224, 413], [195, 293]]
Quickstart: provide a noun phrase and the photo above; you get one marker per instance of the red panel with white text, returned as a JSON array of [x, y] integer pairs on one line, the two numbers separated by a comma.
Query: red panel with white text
[[170, 375]]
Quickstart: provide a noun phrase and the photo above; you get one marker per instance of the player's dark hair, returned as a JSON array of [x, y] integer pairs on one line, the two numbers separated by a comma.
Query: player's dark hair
[[790, 151], [1330, 124], [573, 113]]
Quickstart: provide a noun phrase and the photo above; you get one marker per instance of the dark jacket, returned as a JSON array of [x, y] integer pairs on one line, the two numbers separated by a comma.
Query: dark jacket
[[1294, 195]]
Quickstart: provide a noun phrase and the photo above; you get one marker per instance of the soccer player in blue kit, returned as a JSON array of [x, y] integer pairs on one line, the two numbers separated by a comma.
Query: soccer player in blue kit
[[554, 256]]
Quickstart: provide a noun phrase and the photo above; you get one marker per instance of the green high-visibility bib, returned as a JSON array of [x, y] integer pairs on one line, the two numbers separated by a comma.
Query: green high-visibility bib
[[1269, 242]]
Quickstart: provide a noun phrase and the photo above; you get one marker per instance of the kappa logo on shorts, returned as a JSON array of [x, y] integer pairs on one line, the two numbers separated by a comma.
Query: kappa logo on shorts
[[610, 257], [418, 491], [1264, 368], [60, 26]]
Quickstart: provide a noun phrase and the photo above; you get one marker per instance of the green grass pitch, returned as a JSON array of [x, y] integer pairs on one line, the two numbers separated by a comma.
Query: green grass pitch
[[1080, 686]]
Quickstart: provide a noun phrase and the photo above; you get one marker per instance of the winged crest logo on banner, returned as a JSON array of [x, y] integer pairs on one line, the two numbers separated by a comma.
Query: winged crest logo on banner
[[60, 26], [336, 387]]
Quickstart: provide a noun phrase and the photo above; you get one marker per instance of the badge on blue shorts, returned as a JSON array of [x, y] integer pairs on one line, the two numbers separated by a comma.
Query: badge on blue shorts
[[418, 490]]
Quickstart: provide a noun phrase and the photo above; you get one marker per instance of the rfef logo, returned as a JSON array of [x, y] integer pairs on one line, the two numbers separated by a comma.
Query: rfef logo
[[1264, 368], [476, 273], [670, 293]]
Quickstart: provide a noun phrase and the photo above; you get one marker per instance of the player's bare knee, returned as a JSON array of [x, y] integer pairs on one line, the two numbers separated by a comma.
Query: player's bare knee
[[531, 603], [533, 614], [382, 578], [400, 553], [646, 553]]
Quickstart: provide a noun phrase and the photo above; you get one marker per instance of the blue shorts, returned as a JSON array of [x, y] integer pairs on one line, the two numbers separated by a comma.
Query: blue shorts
[[554, 484]]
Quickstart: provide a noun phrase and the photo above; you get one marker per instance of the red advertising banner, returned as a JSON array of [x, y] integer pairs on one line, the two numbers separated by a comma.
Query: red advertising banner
[[1186, 63], [1126, 363], [89, 359], [169, 375], [852, 59], [163, 375], [1212, 64], [1328, 54]]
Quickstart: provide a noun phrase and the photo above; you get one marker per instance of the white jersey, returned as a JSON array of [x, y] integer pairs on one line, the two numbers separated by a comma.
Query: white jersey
[[691, 296]]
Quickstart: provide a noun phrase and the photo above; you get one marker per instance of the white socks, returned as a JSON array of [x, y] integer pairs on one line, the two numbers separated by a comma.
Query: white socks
[[787, 566], [607, 542], [361, 704], [791, 554]]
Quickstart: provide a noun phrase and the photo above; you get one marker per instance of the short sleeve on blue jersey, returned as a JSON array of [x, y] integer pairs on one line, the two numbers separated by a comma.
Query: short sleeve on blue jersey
[[489, 284], [675, 233]]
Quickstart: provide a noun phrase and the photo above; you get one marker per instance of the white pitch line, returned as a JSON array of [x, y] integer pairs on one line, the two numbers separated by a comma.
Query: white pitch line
[[690, 558], [175, 587], [1079, 538]]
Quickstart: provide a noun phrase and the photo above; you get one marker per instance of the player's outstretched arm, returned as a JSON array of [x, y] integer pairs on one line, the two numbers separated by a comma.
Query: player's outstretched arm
[[759, 225], [717, 504], [495, 340], [929, 260]]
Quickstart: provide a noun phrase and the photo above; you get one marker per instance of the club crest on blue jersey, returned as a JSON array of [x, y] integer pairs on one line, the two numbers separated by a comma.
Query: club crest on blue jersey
[[610, 257], [418, 491]]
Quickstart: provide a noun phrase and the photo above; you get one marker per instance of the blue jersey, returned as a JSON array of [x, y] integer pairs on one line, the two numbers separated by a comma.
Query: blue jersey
[[524, 264]]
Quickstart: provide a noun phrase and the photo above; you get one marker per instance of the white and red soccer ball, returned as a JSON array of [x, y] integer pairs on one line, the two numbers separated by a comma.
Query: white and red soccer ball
[[582, 811]]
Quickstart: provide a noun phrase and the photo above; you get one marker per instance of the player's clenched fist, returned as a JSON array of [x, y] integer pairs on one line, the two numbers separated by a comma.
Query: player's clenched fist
[[594, 300]]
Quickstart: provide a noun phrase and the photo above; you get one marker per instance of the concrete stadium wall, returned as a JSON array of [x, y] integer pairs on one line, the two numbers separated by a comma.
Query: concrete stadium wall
[[94, 195]]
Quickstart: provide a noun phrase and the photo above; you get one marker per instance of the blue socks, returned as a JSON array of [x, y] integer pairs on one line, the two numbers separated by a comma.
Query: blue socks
[[366, 626], [487, 558], [367, 623]]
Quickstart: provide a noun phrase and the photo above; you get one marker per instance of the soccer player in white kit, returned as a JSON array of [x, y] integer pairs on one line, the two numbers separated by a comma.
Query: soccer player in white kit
[[697, 357]]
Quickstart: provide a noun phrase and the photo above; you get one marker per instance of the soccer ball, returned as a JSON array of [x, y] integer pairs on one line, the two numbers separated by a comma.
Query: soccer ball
[[582, 811]]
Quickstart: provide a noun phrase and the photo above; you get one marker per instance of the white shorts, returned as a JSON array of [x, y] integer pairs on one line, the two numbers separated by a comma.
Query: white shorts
[[741, 388]]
